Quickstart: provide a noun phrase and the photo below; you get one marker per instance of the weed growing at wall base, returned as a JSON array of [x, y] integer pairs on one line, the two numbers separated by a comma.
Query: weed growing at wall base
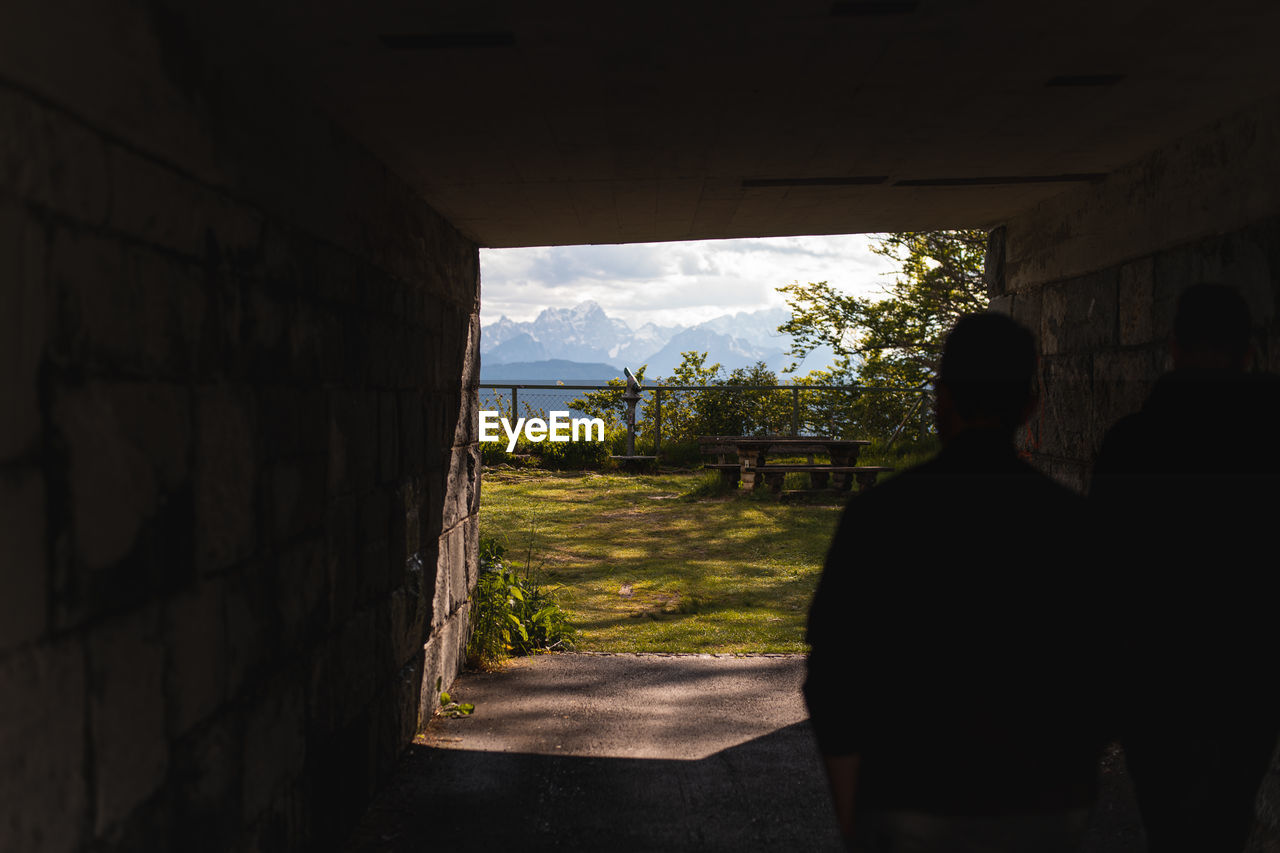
[[512, 613]]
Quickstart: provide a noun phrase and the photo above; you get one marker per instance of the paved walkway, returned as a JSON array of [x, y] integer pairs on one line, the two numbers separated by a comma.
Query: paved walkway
[[626, 753], [614, 752]]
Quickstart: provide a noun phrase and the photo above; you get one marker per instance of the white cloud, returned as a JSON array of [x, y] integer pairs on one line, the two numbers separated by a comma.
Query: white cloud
[[671, 283]]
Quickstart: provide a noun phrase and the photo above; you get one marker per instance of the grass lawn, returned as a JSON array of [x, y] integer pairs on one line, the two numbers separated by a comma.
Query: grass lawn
[[661, 563]]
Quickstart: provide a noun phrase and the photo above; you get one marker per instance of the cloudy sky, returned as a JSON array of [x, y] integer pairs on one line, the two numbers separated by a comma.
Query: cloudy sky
[[669, 283]]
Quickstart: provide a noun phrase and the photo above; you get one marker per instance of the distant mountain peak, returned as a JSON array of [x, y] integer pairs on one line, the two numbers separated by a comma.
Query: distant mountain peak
[[586, 333], [585, 309]]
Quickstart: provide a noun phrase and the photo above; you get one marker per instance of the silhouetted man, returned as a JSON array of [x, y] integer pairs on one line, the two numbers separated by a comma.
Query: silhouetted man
[[953, 633], [1189, 488]]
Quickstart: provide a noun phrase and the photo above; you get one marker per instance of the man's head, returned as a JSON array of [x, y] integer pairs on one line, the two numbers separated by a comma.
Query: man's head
[[1211, 328], [987, 375]]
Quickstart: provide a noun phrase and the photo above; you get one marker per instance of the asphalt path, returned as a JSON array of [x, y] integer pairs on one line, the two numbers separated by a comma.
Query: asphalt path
[[579, 752], [613, 752]]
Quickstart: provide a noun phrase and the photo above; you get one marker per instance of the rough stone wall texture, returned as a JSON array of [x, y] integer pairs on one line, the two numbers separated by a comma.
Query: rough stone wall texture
[[1096, 273], [238, 486]]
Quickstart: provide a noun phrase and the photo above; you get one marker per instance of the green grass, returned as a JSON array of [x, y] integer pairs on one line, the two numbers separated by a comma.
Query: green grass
[[666, 562]]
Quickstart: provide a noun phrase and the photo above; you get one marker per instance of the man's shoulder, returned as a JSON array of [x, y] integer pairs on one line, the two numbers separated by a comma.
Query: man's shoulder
[[938, 485], [1131, 437], [901, 485], [1128, 425]]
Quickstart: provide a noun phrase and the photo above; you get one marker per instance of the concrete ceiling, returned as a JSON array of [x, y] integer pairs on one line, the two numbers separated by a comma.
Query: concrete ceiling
[[571, 122]]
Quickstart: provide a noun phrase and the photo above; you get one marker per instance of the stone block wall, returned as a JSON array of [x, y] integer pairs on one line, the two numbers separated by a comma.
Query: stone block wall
[[1096, 273], [238, 470]]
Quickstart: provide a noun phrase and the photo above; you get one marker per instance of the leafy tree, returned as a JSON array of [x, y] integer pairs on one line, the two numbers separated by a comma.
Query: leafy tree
[[834, 413], [689, 414], [749, 411], [686, 414], [895, 341], [755, 412]]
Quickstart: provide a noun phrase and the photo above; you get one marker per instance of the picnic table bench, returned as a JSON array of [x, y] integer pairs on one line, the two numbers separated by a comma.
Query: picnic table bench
[[744, 458]]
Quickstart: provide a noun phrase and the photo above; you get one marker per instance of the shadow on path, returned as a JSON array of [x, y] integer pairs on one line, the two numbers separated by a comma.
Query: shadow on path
[[629, 753]]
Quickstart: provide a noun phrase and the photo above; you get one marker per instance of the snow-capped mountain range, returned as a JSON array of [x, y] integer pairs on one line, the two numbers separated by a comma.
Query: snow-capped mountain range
[[585, 333]]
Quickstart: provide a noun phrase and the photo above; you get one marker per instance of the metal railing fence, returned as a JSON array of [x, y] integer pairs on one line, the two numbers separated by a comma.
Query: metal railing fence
[[673, 394]]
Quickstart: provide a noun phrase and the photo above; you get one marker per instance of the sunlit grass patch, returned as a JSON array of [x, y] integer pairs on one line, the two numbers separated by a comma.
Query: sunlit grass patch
[[664, 562]]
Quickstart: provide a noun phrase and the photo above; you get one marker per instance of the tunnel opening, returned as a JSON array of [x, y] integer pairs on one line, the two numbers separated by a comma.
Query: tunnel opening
[[728, 338], [239, 469]]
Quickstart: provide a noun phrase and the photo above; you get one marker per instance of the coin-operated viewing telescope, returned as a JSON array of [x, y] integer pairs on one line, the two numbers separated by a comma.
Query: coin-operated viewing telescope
[[634, 391], [631, 396]]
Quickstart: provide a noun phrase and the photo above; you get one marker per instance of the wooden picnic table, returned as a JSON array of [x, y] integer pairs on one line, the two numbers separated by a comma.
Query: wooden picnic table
[[745, 458]]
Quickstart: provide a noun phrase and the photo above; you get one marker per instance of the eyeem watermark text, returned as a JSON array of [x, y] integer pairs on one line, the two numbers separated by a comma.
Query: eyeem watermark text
[[558, 427]]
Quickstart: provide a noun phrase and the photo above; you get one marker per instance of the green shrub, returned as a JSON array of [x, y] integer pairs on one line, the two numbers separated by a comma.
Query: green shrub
[[686, 453], [512, 613], [495, 453], [557, 455], [577, 455], [574, 455], [615, 439]]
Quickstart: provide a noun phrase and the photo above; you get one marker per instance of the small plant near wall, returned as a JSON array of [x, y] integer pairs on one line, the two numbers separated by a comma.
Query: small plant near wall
[[450, 708], [512, 613]]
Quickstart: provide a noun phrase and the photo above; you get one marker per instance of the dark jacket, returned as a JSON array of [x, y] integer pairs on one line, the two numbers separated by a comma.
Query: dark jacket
[[955, 638], [1189, 488]]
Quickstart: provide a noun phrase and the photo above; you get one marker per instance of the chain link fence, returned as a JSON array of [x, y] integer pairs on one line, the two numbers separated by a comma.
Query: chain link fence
[[670, 418]]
